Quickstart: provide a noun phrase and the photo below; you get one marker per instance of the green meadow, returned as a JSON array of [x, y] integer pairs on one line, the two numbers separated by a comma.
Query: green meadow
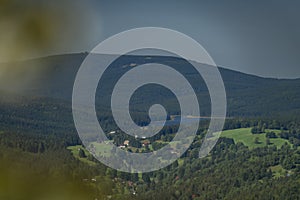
[[75, 152], [103, 148], [245, 136]]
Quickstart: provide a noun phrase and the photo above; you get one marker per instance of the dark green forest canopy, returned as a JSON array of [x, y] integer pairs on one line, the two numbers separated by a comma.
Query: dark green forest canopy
[[231, 169]]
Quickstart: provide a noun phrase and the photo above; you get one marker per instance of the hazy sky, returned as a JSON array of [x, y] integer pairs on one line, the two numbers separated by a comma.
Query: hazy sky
[[257, 37]]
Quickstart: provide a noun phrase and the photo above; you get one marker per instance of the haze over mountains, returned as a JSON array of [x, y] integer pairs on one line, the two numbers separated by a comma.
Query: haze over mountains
[[247, 95]]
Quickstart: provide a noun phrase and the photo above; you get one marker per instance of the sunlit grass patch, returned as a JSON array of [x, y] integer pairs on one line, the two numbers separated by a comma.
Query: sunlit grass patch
[[75, 152], [245, 136]]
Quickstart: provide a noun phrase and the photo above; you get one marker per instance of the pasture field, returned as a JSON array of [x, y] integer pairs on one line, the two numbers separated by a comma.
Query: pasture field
[[245, 136], [75, 152]]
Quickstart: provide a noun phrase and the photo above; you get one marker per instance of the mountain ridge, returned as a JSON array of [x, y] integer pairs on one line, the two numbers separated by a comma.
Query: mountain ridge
[[247, 95]]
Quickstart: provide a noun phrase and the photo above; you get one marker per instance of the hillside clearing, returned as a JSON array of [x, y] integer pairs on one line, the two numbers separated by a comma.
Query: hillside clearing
[[245, 136], [75, 152]]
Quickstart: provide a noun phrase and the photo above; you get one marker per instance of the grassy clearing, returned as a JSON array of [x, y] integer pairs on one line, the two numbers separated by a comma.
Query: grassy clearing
[[180, 161], [278, 171], [103, 148], [75, 153], [245, 136]]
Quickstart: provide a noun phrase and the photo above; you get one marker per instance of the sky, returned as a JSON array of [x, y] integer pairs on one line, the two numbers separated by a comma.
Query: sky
[[256, 37]]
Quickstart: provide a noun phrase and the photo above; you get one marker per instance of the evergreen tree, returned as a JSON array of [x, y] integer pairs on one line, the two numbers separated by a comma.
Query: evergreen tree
[[81, 153]]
